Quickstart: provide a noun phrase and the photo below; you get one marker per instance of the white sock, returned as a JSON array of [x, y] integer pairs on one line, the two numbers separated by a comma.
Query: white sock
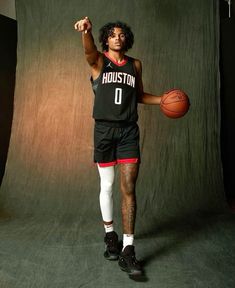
[[106, 192], [128, 239], [108, 228]]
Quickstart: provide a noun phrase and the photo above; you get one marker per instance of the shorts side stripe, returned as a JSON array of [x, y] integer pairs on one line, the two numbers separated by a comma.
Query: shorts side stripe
[[108, 164], [128, 160]]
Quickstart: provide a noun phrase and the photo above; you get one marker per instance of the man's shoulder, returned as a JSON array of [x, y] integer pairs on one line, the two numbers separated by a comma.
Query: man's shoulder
[[133, 59], [137, 63]]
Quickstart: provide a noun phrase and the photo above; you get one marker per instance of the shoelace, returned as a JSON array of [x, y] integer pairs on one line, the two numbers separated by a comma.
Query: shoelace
[[111, 243], [132, 259]]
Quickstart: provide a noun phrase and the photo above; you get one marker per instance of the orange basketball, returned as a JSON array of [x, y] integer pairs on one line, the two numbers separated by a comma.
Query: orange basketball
[[174, 103]]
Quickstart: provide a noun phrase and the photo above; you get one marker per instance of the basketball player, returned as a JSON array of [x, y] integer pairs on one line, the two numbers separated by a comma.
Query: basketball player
[[117, 83]]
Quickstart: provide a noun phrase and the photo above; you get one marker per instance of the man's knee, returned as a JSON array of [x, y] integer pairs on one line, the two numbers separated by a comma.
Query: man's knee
[[128, 189]]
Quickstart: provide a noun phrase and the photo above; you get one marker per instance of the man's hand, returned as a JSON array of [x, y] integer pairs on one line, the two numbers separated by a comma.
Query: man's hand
[[83, 25]]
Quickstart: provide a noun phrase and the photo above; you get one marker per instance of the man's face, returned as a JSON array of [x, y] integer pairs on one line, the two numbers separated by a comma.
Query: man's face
[[116, 41]]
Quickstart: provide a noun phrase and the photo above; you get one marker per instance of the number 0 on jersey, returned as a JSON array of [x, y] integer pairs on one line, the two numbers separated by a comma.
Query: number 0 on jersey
[[118, 96]]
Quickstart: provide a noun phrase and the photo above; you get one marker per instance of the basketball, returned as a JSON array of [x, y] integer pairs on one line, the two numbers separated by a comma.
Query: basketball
[[174, 103]]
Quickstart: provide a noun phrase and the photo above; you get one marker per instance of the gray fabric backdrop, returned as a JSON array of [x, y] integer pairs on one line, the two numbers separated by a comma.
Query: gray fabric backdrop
[[49, 169], [51, 233]]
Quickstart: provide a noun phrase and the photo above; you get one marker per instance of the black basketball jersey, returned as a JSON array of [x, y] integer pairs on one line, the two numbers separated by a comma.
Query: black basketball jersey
[[116, 91]]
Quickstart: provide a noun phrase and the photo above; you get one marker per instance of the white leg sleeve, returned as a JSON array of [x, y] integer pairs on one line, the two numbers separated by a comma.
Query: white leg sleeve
[[106, 192]]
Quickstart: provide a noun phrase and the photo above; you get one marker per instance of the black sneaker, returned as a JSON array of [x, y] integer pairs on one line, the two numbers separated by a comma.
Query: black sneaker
[[111, 246], [128, 262]]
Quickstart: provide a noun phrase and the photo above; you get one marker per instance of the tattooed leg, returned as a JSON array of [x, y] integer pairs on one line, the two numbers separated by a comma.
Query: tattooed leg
[[128, 177]]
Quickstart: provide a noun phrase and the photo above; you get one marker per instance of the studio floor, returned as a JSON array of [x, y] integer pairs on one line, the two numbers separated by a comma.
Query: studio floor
[[198, 252]]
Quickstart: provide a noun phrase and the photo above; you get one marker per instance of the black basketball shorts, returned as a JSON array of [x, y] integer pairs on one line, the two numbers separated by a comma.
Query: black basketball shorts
[[114, 145]]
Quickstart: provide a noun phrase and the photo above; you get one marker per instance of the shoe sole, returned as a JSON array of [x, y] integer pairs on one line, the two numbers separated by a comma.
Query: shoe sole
[[111, 257], [132, 273]]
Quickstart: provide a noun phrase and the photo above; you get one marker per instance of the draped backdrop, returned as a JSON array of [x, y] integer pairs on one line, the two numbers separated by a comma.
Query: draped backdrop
[[50, 168]]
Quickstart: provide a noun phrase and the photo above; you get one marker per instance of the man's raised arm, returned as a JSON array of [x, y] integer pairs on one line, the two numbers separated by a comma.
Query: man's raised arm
[[92, 54]]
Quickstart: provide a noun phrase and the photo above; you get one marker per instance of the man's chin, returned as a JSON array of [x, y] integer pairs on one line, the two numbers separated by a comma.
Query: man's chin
[[118, 49]]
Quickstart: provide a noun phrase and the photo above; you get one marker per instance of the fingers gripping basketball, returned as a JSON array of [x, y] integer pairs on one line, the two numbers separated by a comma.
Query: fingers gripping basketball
[[174, 103]]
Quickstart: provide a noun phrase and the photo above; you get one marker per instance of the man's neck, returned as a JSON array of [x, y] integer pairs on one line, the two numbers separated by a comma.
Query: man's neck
[[117, 56]]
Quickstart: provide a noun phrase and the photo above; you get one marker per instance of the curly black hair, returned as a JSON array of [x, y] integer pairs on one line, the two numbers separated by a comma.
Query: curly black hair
[[107, 30]]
